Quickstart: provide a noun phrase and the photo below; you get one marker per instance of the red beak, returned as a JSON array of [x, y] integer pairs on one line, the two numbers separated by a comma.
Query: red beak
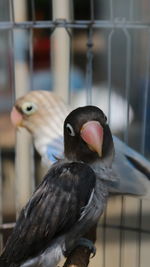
[[92, 133], [16, 117]]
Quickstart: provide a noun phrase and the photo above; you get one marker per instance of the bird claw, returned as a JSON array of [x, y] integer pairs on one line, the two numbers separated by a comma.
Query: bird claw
[[84, 242], [87, 243]]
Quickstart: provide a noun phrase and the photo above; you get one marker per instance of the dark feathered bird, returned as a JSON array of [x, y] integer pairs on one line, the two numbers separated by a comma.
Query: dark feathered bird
[[87, 138], [126, 171], [42, 113], [70, 198]]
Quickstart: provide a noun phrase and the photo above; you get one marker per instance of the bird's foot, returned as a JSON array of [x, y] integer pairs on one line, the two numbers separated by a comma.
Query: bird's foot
[[82, 242]]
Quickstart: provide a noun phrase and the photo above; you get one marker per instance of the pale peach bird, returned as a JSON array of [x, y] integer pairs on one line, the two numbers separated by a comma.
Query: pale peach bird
[[42, 113]]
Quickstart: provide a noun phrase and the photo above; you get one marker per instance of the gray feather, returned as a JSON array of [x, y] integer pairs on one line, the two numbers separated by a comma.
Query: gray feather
[[133, 178]]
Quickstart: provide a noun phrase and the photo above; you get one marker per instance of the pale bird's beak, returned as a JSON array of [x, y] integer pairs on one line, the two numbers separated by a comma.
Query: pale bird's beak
[[92, 133], [16, 117]]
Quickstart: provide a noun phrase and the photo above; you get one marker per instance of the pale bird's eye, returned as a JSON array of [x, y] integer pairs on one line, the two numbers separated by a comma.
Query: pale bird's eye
[[70, 129], [29, 108]]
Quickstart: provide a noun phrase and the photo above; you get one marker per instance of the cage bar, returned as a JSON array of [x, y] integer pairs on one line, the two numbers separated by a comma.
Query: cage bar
[[24, 151], [60, 51]]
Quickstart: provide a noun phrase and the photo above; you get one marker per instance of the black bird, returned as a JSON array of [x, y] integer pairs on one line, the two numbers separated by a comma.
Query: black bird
[[42, 113], [87, 138], [126, 172], [70, 199]]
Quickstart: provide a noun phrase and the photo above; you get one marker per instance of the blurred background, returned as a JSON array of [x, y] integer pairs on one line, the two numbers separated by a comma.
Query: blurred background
[[91, 51]]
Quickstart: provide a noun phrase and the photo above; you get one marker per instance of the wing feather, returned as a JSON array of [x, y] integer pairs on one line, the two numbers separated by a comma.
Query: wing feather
[[54, 208]]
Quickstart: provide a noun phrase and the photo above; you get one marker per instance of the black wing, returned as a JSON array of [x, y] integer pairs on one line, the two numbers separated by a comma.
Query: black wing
[[52, 210]]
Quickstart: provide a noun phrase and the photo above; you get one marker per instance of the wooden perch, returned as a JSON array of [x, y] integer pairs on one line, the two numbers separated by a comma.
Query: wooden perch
[[80, 256]]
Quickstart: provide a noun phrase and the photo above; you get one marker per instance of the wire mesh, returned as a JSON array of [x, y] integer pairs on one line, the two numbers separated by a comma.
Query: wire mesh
[[123, 226]]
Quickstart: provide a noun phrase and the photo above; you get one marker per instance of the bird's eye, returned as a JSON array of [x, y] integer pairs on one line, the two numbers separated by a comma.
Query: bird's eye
[[105, 118], [29, 108], [70, 129]]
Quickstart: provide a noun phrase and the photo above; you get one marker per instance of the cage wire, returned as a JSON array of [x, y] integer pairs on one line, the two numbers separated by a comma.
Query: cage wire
[[123, 234]]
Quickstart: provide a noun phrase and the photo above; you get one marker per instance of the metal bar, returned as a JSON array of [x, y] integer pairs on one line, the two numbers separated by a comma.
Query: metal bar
[[127, 95], [11, 45], [6, 226], [60, 50], [84, 24], [126, 228], [31, 57], [127, 82], [146, 98], [139, 236], [111, 10], [109, 72], [89, 54], [24, 152], [109, 97], [121, 232], [12, 13], [12, 60], [131, 10], [33, 10], [31, 72], [1, 208], [92, 11], [109, 59], [104, 241], [100, 225], [145, 105]]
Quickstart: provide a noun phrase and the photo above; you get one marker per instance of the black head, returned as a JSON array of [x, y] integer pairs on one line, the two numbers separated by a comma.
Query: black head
[[87, 136]]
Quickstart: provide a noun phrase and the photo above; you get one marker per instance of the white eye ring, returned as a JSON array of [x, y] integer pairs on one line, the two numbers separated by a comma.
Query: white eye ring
[[70, 129], [29, 108]]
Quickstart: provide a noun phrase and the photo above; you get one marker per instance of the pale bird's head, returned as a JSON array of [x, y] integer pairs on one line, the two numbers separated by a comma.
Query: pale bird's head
[[39, 109]]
